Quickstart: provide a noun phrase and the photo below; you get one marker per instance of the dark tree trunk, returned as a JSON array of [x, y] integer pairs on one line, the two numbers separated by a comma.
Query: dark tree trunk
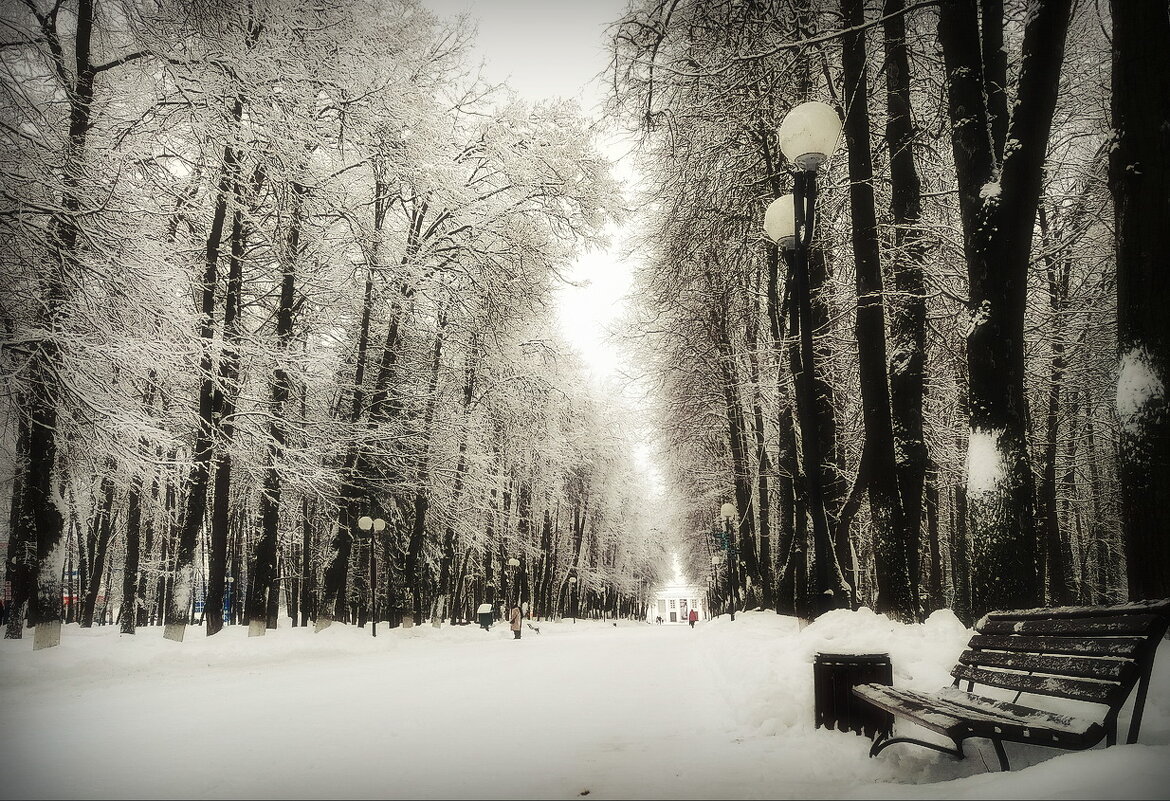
[[22, 546], [895, 545], [998, 217], [763, 466], [182, 582], [422, 501], [1054, 544], [264, 572], [102, 529], [742, 539], [1139, 178], [935, 597], [224, 404], [786, 460], [129, 613], [447, 560], [826, 587], [40, 515], [907, 315]]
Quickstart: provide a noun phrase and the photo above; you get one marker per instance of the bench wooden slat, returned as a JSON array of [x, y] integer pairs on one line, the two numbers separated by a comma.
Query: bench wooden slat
[[1078, 689], [1023, 716], [1071, 666], [1160, 607], [919, 707], [951, 711], [1076, 626], [1125, 647]]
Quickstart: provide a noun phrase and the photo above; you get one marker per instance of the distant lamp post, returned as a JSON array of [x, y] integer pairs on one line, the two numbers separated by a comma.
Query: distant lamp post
[[372, 525], [512, 564], [729, 516], [808, 135], [573, 597], [716, 561], [226, 612]]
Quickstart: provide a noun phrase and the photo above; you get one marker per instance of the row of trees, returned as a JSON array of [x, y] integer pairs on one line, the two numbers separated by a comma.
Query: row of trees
[[273, 267], [987, 274]]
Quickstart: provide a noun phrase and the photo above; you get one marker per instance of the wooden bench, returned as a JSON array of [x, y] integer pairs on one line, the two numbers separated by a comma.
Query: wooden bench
[[1094, 655]]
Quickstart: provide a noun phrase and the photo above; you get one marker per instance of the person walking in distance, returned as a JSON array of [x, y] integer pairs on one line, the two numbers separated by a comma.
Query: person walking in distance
[[692, 617], [514, 620]]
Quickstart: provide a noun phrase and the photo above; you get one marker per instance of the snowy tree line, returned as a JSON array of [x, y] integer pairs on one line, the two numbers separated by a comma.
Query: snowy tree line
[[269, 268], [989, 291]]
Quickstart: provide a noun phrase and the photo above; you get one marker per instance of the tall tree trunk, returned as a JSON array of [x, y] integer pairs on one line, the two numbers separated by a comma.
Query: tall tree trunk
[[998, 217], [355, 471], [41, 514], [101, 529], [225, 394], [22, 546], [895, 545], [182, 582], [1058, 571], [422, 500], [826, 588], [786, 460], [935, 597], [763, 465], [280, 390], [129, 613], [742, 540], [907, 314], [447, 560], [1139, 178]]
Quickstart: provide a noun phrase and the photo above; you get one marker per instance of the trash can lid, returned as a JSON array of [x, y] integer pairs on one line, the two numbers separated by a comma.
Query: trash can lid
[[822, 656]]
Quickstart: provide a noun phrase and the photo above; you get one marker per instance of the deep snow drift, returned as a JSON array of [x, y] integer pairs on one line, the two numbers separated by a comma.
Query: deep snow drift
[[628, 711]]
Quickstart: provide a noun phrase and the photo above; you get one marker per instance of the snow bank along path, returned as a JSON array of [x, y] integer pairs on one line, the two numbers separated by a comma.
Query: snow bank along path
[[627, 711]]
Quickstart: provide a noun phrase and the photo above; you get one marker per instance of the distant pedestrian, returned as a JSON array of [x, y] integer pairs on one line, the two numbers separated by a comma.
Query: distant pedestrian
[[485, 615], [692, 617], [514, 620], [3, 613]]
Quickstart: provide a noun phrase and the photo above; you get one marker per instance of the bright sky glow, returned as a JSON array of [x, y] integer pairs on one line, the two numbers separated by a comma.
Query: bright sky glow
[[558, 49]]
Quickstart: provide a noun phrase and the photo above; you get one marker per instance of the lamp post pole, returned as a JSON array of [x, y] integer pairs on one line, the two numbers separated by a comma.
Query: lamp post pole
[[730, 515], [372, 526], [808, 134], [513, 563], [573, 597]]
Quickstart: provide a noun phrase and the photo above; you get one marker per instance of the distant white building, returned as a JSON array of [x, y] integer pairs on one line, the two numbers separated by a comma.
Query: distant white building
[[672, 603]]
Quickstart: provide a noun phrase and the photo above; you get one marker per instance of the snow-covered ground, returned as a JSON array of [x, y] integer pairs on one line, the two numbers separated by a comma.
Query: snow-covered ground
[[588, 708]]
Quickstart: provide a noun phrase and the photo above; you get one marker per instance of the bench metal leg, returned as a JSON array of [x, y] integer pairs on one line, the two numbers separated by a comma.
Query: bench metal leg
[[999, 752], [881, 743]]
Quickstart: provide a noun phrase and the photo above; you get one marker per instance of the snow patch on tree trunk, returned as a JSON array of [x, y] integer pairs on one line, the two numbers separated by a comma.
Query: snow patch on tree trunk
[[986, 462], [1139, 387]]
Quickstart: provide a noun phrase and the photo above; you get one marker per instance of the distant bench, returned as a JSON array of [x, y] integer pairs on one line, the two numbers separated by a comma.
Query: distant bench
[[1093, 654]]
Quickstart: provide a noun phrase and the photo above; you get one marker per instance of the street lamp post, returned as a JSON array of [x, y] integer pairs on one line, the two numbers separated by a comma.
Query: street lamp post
[[808, 134], [713, 593], [512, 564], [573, 597], [372, 525], [729, 515]]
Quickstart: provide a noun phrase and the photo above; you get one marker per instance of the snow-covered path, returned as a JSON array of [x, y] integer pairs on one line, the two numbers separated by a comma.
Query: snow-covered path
[[632, 711]]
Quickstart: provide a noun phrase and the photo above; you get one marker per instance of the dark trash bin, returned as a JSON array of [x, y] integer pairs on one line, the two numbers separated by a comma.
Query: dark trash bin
[[835, 676], [485, 615]]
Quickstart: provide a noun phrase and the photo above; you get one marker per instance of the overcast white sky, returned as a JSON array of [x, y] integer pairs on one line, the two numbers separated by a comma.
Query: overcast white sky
[[557, 48]]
